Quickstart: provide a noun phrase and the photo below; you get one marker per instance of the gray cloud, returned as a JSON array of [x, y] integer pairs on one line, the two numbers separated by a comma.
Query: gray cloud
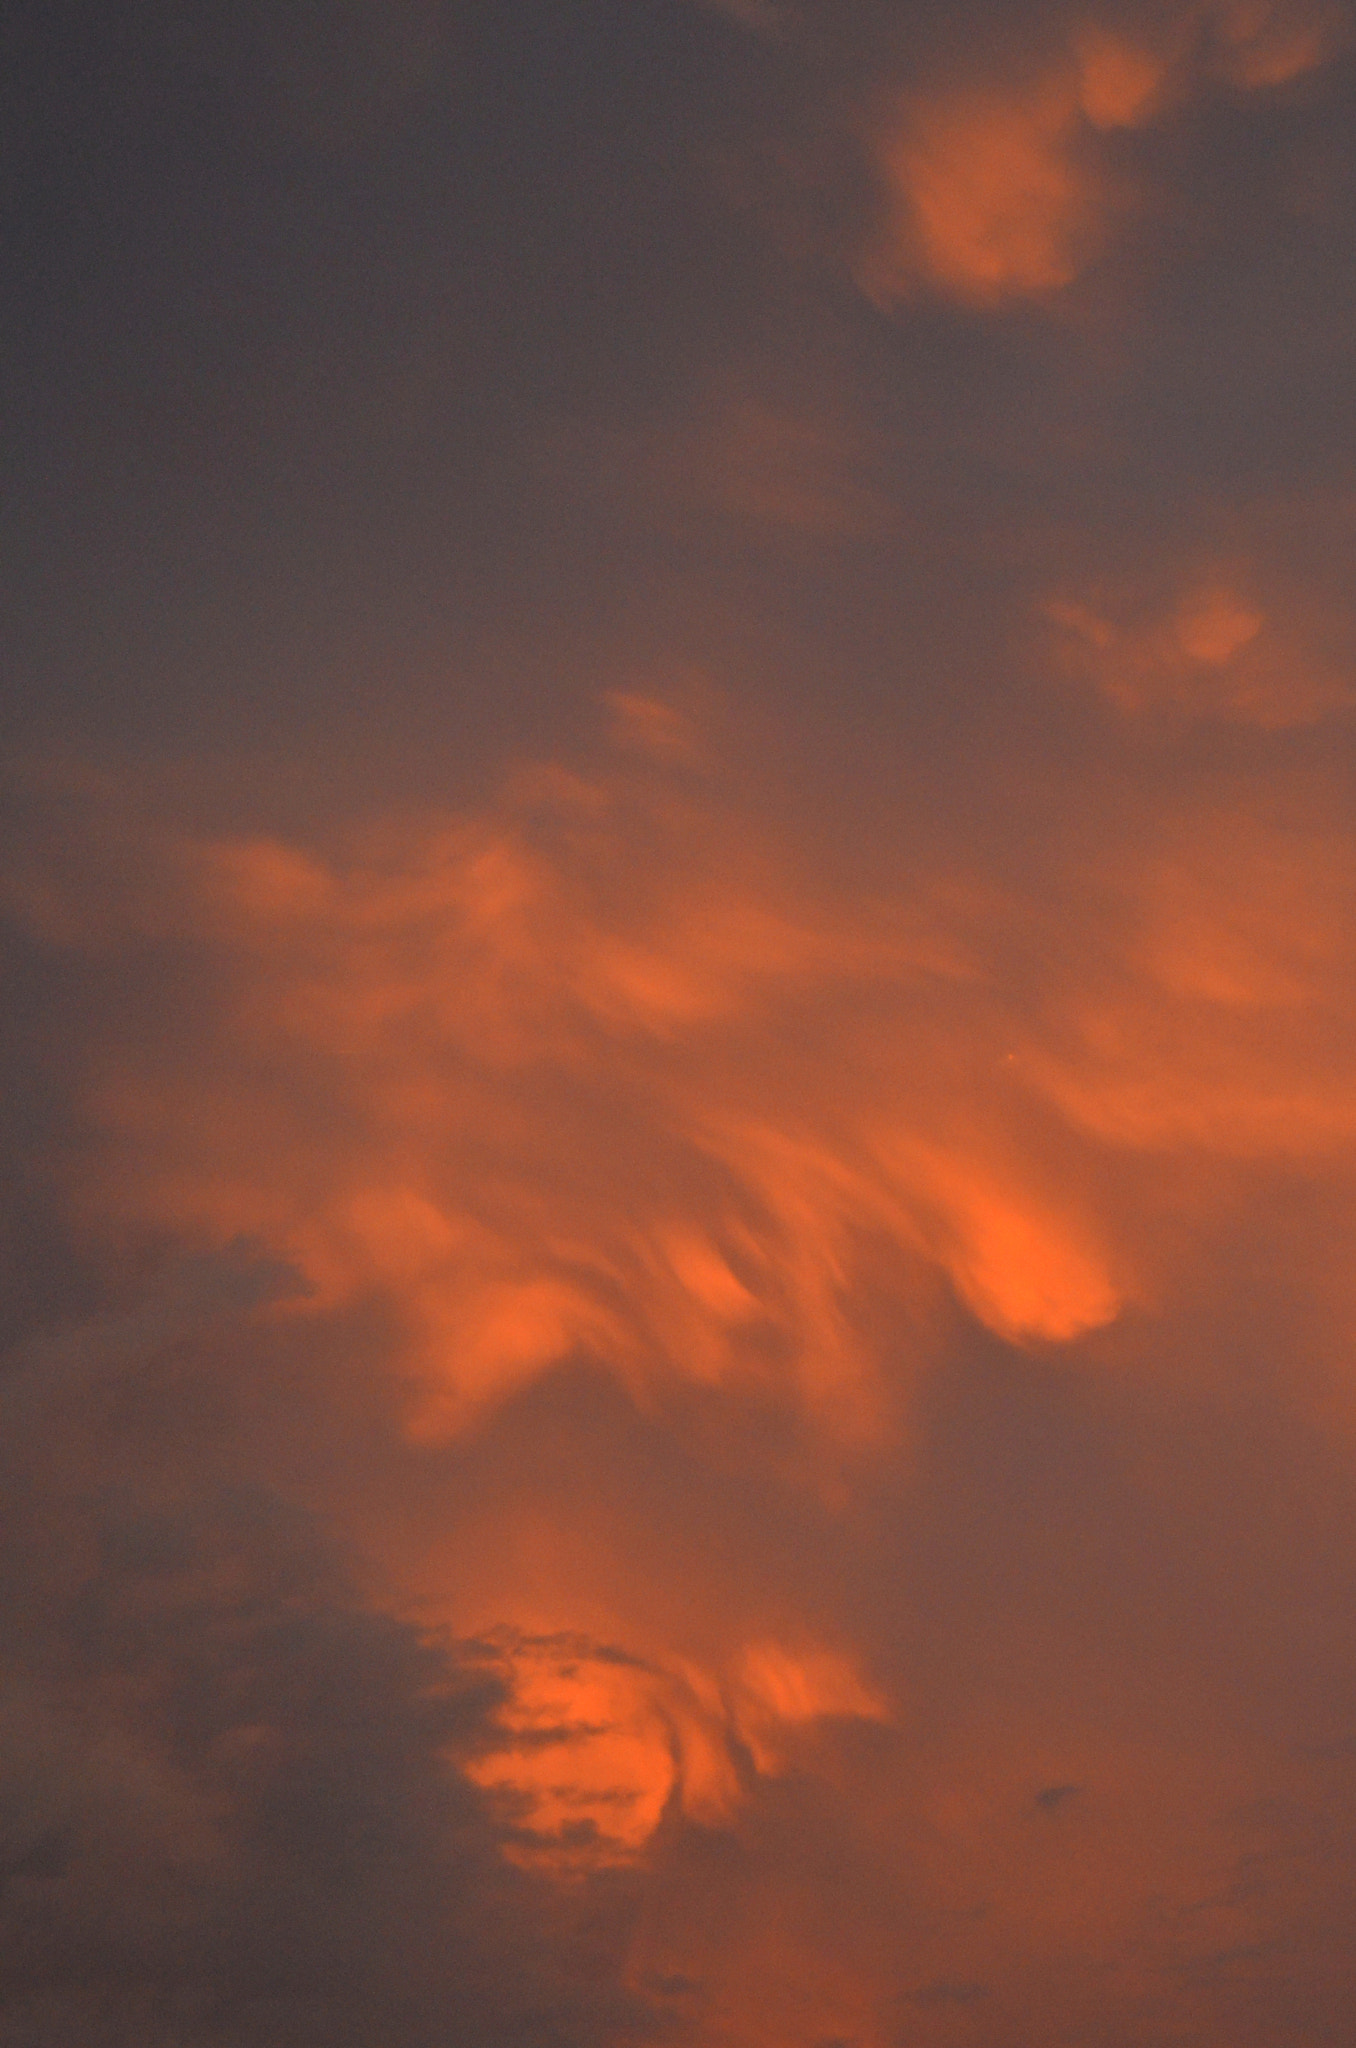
[[232, 1800]]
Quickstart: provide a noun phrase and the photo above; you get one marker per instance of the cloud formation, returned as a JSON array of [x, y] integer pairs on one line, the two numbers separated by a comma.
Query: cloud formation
[[596, 1072], [600, 1085], [512, 1073], [234, 1800], [675, 1293], [1002, 190]]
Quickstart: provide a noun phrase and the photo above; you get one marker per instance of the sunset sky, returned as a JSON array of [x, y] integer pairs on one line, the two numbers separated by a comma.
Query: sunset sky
[[678, 928]]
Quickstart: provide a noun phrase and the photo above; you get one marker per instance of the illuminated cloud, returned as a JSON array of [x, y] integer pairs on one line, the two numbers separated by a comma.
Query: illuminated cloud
[[1215, 653], [1225, 1034], [1119, 83], [590, 1075], [581, 1076], [1000, 191], [989, 201], [1260, 44], [732, 1315], [228, 1786], [676, 1302], [593, 1748]]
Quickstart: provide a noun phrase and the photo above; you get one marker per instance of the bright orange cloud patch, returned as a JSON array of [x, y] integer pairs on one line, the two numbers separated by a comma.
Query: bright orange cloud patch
[[990, 202], [1000, 191], [598, 1746], [584, 1076], [595, 1075], [605, 1073]]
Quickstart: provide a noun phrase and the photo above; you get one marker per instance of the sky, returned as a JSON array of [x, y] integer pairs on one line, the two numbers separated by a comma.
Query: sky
[[678, 929]]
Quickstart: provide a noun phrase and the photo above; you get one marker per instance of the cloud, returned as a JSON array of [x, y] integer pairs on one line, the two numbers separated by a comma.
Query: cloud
[[682, 1372], [510, 1073], [1215, 654], [773, 471], [679, 1400], [989, 200], [1001, 190], [1258, 45], [594, 1073], [232, 1799], [598, 1747]]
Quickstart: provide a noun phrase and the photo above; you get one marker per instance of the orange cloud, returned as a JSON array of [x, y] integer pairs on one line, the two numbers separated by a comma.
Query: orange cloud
[[779, 1692], [594, 1074], [1213, 653], [999, 191], [757, 1417], [995, 1884], [596, 1746], [989, 202], [996, 191], [567, 1079], [1261, 44], [1221, 1028], [1120, 83], [602, 1071]]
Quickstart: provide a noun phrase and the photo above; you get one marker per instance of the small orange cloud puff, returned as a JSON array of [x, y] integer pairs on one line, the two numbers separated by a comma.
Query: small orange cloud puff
[[1214, 653]]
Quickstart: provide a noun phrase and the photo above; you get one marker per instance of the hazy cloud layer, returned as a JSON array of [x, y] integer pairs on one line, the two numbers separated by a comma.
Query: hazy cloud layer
[[676, 912]]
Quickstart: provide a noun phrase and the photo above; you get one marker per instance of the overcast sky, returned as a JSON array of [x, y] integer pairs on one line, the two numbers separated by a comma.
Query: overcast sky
[[678, 928]]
